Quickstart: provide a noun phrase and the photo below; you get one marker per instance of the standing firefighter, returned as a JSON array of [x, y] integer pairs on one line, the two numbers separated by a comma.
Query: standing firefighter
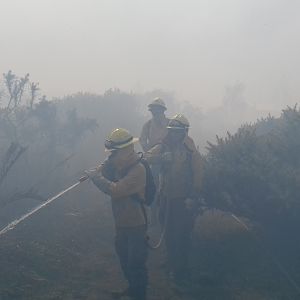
[[180, 183], [123, 177], [154, 130]]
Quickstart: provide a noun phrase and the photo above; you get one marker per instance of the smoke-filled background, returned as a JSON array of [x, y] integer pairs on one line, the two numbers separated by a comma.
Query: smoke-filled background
[[230, 66], [193, 48]]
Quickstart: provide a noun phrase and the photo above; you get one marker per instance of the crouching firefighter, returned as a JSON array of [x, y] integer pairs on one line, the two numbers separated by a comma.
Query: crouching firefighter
[[123, 177], [180, 184]]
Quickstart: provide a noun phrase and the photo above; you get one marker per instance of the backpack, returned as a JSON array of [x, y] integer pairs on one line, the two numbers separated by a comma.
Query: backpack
[[150, 188]]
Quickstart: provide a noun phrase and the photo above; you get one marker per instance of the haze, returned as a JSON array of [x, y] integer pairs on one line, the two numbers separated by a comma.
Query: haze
[[194, 48]]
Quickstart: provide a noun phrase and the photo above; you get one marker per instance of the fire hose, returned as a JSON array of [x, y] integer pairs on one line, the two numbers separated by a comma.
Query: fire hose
[[16, 222]]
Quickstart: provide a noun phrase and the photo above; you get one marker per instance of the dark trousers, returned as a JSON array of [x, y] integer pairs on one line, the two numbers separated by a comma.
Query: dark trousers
[[131, 247], [179, 222]]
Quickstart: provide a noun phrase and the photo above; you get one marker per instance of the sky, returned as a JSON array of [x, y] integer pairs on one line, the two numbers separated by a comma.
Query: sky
[[194, 48]]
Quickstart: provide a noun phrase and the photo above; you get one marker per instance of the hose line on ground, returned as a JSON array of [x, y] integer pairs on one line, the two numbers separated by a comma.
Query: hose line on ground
[[163, 231], [275, 261]]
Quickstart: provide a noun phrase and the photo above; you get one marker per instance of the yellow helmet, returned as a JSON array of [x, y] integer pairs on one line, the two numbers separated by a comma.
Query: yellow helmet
[[118, 139], [179, 121], [158, 102]]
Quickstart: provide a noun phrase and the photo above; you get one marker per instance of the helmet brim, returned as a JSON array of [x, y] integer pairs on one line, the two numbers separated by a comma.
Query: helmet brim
[[122, 146], [177, 127]]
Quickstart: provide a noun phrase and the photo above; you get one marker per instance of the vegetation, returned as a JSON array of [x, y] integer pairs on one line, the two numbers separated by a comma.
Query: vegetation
[[34, 139], [66, 252], [255, 172]]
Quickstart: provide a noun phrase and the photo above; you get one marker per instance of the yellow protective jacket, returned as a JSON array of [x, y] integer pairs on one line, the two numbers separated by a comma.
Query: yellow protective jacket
[[129, 180], [153, 133], [182, 177]]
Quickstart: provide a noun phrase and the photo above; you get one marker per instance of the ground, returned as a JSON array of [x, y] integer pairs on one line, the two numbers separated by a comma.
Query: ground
[[66, 252]]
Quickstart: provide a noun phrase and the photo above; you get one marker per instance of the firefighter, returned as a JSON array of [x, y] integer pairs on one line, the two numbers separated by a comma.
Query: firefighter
[[121, 176], [153, 132], [180, 185], [155, 129]]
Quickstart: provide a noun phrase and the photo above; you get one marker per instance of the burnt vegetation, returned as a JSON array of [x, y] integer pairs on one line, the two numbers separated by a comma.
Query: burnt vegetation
[[65, 252], [33, 136]]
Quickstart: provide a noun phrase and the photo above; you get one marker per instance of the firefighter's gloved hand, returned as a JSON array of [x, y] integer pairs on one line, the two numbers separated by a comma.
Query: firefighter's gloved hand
[[166, 157], [92, 173]]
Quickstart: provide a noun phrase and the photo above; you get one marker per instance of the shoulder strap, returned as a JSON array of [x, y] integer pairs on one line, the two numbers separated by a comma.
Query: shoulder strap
[[135, 196], [144, 213]]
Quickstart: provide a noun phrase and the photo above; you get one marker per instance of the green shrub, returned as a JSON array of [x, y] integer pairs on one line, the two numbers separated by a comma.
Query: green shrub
[[255, 172]]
